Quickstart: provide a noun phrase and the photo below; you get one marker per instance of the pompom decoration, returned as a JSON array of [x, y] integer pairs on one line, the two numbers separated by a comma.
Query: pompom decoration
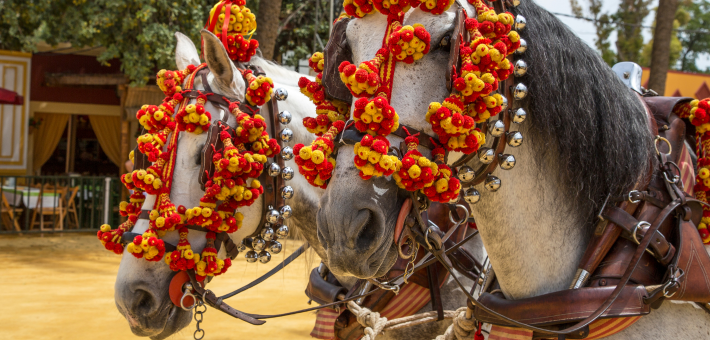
[[416, 171], [111, 239], [456, 129], [314, 161], [170, 81], [363, 80], [328, 110], [260, 89], [210, 264], [375, 117], [147, 246], [183, 258], [358, 8], [231, 21], [409, 43], [435, 7], [446, 187], [193, 117], [371, 157]]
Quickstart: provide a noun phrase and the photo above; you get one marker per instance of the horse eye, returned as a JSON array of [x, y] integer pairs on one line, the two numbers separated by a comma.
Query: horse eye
[[445, 42]]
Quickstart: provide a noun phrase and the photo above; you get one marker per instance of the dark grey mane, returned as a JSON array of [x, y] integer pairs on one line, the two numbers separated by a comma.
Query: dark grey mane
[[581, 113]]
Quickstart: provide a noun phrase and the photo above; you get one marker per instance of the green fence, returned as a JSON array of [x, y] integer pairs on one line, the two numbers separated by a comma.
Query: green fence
[[47, 204]]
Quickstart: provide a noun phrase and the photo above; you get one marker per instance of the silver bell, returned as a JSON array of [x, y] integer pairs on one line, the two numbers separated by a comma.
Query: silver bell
[[258, 244], [275, 247], [286, 211], [520, 22], [466, 174], [492, 183], [267, 234], [242, 247], [287, 192], [264, 257], [471, 196], [496, 128], [251, 256], [520, 91], [286, 135], [504, 105], [285, 117], [515, 139], [282, 232], [287, 153], [518, 116], [274, 169], [272, 216], [486, 155], [281, 94], [287, 173], [521, 67], [506, 161], [523, 46]]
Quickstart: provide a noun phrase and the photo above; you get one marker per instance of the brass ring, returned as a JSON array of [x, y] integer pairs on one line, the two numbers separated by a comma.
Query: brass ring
[[655, 144]]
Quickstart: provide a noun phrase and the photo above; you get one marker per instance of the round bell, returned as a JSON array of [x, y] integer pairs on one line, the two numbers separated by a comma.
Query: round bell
[[242, 247], [506, 161], [251, 256], [520, 91], [264, 257], [521, 67], [492, 183], [286, 135], [286, 211], [518, 116], [287, 173], [523, 46], [281, 94], [466, 174], [282, 232], [520, 22], [515, 139], [285, 117], [274, 169], [471, 196], [287, 153], [267, 234], [504, 105], [497, 128], [258, 244], [287, 192], [486, 155], [272, 216], [275, 247]]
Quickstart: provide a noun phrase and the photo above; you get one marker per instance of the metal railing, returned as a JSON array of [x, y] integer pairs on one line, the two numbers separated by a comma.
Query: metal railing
[[48, 204]]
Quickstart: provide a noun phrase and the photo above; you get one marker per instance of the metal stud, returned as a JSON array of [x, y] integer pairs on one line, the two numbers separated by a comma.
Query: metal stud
[[523, 46], [504, 105], [264, 257], [274, 169], [486, 155], [520, 91], [496, 128], [251, 256], [471, 196], [267, 234], [506, 161], [287, 192], [285, 117], [258, 244], [281, 94], [521, 67], [286, 211], [287, 153], [520, 22], [286, 135], [282, 232], [272, 216], [466, 174], [287, 173], [518, 115], [492, 183], [515, 139], [275, 247]]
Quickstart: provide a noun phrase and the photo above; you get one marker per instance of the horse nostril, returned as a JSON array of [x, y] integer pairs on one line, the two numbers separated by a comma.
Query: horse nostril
[[143, 303], [368, 230]]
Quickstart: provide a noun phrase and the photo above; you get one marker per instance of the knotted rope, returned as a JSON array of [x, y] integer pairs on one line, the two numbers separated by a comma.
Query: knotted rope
[[375, 324], [465, 327]]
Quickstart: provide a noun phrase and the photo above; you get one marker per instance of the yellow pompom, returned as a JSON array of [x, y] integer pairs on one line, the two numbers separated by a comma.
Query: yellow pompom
[[704, 173]]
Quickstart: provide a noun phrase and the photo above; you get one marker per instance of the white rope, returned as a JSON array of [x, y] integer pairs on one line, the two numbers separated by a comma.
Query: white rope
[[463, 328], [375, 324]]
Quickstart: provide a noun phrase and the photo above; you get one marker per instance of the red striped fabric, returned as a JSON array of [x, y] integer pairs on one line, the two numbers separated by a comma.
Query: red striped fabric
[[509, 333], [687, 172], [597, 330], [325, 324]]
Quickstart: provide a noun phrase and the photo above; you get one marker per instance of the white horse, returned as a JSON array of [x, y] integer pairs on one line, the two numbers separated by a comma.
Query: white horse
[[586, 136], [141, 290]]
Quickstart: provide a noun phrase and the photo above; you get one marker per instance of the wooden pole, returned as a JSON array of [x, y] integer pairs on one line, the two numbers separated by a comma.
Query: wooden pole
[[125, 128]]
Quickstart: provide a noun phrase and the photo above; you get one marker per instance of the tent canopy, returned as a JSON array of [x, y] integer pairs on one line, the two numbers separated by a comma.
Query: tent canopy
[[9, 97]]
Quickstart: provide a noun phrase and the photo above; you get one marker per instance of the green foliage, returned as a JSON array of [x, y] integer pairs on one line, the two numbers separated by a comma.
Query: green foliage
[[19, 21], [695, 38], [629, 17], [300, 19], [604, 25]]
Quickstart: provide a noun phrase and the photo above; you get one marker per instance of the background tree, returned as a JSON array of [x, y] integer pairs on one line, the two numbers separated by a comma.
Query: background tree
[[603, 24], [660, 53], [629, 18], [304, 29], [267, 26], [695, 37], [681, 19]]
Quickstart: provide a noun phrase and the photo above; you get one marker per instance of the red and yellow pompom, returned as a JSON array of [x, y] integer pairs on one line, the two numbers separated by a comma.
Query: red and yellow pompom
[[314, 161], [170, 82], [358, 8], [156, 118], [698, 112], [210, 264], [363, 80], [446, 187], [327, 113], [312, 89], [183, 258], [111, 239], [371, 157], [147, 246], [194, 117], [231, 21], [435, 7], [416, 172], [259, 90], [409, 43], [375, 117], [165, 217], [316, 62]]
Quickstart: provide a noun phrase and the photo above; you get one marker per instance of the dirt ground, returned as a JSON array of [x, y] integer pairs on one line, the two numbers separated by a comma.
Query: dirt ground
[[61, 287]]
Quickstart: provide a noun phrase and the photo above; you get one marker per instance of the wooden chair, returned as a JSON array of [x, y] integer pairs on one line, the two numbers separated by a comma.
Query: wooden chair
[[57, 213], [72, 215], [11, 212]]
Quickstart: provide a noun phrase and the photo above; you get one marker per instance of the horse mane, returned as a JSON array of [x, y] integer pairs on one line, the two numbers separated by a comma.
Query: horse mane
[[581, 114], [277, 72]]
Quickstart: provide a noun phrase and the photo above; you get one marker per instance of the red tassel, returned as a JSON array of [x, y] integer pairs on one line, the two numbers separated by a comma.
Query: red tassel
[[479, 335]]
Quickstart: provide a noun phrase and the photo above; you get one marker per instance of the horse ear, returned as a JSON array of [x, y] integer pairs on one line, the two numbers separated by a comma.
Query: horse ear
[[185, 52], [218, 60]]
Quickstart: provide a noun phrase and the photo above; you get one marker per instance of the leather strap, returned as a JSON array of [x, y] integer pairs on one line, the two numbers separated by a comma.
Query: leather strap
[[662, 249]]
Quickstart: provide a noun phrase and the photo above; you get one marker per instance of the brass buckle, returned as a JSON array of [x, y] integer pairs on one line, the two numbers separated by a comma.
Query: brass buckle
[[655, 144]]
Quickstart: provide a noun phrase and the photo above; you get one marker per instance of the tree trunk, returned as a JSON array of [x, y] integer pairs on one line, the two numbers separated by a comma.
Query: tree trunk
[[267, 26], [661, 51]]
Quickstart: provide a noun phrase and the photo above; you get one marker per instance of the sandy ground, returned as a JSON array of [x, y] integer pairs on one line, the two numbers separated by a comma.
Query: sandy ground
[[61, 287]]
